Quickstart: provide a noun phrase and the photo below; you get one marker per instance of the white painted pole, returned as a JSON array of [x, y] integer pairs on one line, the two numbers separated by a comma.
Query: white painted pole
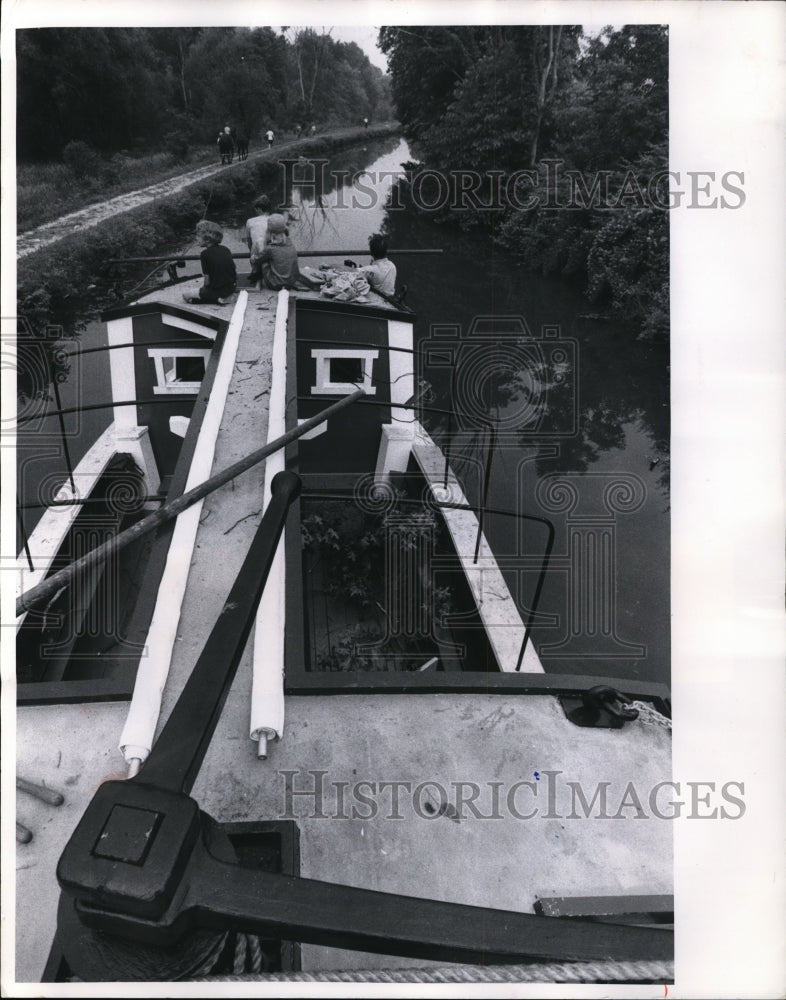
[[267, 685]]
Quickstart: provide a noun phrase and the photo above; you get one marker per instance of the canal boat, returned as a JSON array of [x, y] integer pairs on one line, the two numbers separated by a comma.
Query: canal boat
[[315, 739]]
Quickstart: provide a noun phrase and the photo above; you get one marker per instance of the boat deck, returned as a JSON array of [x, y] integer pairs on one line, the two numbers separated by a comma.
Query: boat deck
[[507, 852]]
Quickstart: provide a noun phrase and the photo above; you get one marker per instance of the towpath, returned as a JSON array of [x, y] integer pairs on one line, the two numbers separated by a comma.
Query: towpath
[[50, 232]]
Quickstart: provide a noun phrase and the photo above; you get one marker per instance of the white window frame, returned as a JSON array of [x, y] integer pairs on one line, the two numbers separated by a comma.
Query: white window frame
[[323, 356], [165, 384]]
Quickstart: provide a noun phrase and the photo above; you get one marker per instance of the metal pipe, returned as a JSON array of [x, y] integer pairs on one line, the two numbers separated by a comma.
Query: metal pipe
[[129, 343], [24, 536], [486, 481], [163, 400], [63, 438], [80, 501], [368, 401], [245, 256], [155, 401], [44, 590], [536, 596], [167, 400], [449, 432], [169, 343]]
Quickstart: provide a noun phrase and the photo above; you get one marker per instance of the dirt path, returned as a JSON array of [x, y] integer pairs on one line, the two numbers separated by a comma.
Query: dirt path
[[50, 232]]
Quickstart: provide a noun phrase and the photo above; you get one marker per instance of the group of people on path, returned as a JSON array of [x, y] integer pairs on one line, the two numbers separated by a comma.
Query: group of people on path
[[227, 143], [274, 261]]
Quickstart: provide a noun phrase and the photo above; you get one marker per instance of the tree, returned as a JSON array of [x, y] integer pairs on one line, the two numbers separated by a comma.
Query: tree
[[503, 99], [484, 94], [618, 103], [236, 76], [118, 88], [310, 54], [175, 44], [105, 86], [427, 64]]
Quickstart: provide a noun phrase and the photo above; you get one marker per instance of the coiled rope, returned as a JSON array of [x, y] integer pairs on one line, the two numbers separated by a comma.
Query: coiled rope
[[568, 972]]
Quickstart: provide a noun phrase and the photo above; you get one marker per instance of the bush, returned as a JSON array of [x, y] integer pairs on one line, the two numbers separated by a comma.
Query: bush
[[177, 144], [82, 159], [629, 262]]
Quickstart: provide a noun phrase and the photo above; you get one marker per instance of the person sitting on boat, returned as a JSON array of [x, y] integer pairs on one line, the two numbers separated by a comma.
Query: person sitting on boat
[[218, 267], [256, 236], [279, 259], [381, 272]]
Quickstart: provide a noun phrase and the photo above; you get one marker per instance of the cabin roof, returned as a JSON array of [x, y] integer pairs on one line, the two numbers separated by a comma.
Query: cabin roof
[[165, 305]]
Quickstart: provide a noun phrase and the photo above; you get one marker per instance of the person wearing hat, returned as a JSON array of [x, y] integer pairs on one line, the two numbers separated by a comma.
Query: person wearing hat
[[218, 267], [279, 259]]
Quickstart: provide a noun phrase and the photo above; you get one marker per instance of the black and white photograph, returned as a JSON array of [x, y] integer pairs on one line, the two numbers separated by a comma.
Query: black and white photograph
[[393, 499]]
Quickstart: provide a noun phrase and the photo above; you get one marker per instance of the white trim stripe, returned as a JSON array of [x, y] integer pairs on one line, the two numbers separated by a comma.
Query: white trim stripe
[[139, 731]]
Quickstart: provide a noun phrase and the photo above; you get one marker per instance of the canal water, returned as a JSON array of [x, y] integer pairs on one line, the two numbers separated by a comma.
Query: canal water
[[554, 413]]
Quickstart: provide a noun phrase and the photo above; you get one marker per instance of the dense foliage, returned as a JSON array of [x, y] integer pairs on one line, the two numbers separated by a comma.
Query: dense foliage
[[586, 117], [154, 88], [344, 550]]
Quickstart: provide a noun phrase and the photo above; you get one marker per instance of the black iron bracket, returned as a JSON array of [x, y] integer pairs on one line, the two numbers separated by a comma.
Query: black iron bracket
[[600, 707]]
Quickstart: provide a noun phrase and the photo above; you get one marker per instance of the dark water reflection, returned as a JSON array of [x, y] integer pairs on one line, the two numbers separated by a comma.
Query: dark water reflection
[[607, 593], [598, 465]]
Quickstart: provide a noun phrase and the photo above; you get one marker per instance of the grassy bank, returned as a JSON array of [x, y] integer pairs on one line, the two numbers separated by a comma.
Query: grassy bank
[[63, 284], [47, 191]]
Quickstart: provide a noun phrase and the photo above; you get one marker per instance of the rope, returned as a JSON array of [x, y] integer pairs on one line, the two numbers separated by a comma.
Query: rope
[[257, 958], [240, 954], [571, 972], [209, 961]]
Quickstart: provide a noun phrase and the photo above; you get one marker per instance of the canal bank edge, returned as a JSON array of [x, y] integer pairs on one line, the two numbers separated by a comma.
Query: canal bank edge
[[53, 278]]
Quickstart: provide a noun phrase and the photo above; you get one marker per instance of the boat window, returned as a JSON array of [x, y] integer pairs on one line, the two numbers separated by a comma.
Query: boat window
[[180, 370], [346, 370], [343, 370]]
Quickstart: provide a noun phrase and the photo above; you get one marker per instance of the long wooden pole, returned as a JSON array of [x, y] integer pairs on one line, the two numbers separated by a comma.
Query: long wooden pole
[[245, 256], [44, 590]]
